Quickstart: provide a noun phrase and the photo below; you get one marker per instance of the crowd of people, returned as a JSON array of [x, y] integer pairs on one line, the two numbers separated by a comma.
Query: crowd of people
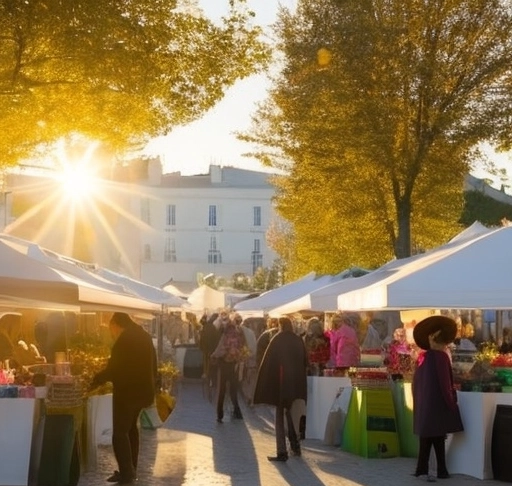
[[285, 354], [271, 367]]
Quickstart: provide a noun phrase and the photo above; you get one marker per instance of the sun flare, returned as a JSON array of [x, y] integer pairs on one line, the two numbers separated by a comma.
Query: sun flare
[[77, 175], [78, 182]]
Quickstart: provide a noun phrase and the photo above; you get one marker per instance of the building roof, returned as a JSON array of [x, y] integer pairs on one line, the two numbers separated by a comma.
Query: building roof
[[219, 177]]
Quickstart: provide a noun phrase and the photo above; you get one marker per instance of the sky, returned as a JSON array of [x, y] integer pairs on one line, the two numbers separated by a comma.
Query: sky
[[210, 140]]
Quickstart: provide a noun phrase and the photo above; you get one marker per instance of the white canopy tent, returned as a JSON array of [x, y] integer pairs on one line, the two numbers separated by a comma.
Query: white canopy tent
[[267, 301], [148, 292], [204, 298], [26, 282], [325, 299], [467, 273]]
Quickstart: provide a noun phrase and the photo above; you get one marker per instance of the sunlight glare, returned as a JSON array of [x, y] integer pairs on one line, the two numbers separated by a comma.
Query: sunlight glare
[[77, 176], [77, 182]]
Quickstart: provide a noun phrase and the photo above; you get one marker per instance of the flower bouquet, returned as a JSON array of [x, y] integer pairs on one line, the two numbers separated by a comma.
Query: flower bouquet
[[399, 360], [502, 365]]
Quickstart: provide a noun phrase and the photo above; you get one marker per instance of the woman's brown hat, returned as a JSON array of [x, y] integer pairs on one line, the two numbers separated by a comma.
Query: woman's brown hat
[[432, 324]]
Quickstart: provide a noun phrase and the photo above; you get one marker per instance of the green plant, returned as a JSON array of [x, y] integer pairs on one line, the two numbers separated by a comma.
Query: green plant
[[487, 352], [89, 355], [168, 372]]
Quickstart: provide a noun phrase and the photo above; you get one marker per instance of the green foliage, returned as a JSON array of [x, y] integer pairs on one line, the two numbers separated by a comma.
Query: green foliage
[[480, 207], [487, 352], [118, 72], [168, 373], [265, 279], [241, 282], [89, 355], [373, 119]]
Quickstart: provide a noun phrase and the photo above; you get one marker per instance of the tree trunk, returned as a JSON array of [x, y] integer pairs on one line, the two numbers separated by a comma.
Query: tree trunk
[[403, 240]]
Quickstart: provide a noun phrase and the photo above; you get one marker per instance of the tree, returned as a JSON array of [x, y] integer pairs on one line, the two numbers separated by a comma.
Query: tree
[[483, 208], [118, 72], [374, 118]]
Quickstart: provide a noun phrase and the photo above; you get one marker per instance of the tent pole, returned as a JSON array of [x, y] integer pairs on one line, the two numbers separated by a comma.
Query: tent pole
[[160, 334]]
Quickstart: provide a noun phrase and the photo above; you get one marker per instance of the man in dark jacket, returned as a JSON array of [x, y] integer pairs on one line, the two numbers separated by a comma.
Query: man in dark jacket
[[208, 340], [132, 369], [282, 379], [265, 337]]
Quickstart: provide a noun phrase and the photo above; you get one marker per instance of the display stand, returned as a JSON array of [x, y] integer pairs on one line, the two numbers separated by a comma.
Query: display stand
[[322, 391], [16, 430], [402, 398], [370, 426]]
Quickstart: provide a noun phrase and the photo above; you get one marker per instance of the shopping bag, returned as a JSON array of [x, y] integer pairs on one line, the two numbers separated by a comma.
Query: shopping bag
[[155, 415], [149, 418], [335, 420]]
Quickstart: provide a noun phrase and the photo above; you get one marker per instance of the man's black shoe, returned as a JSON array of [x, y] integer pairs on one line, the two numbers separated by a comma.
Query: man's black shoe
[[115, 478], [278, 458]]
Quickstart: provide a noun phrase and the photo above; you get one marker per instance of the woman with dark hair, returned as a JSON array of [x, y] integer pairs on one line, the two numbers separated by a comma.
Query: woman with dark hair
[[230, 351], [318, 347]]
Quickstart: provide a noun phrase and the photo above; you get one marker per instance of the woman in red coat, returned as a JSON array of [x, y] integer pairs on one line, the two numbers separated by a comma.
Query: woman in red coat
[[318, 346], [436, 412]]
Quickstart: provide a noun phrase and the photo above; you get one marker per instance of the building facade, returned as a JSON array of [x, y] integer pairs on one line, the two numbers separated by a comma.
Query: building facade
[[214, 223], [152, 226]]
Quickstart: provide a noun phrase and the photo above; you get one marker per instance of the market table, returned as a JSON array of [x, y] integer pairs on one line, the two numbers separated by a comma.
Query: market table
[[322, 391], [469, 452]]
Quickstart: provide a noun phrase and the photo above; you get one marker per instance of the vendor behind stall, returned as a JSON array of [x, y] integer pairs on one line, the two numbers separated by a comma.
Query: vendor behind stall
[[13, 347]]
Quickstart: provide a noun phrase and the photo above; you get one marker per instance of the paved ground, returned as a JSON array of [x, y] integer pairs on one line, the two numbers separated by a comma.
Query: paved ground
[[191, 449]]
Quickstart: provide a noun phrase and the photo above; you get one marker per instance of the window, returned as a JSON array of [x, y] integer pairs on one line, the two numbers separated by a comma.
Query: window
[[147, 252], [170, 217], [256, 261], [256, 256], [214, 255], [170, 250], [212, 216], [256, 216], [145, 214], [213, 243]]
